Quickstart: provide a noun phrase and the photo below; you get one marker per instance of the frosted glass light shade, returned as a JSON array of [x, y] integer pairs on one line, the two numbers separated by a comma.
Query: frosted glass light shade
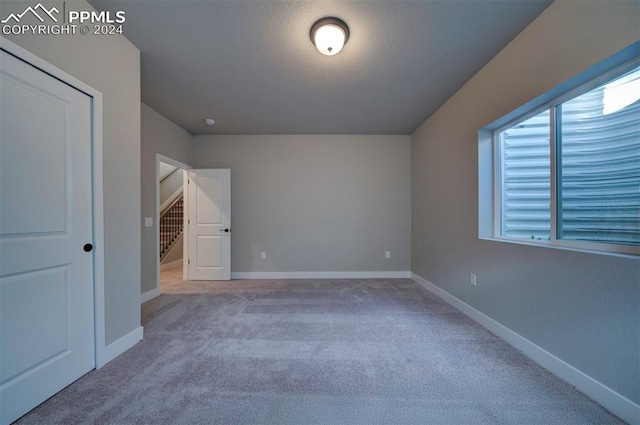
[[329, 39], [329, 35]]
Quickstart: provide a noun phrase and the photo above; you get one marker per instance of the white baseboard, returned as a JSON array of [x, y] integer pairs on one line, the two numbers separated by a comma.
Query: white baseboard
[[149, 295], [321, 275], [611, 400], [121, 345]]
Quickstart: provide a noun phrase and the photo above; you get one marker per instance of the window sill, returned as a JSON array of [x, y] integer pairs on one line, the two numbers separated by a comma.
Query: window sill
[[632, 252]]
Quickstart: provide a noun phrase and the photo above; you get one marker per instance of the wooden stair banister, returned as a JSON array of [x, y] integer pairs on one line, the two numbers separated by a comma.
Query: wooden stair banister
[[171, 225]]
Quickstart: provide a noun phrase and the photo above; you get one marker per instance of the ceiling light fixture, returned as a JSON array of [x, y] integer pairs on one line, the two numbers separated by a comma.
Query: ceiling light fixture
[[209, 121], [329, 35]]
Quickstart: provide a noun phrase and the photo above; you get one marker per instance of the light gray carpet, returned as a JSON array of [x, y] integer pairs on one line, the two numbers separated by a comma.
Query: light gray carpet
[[316, 352]]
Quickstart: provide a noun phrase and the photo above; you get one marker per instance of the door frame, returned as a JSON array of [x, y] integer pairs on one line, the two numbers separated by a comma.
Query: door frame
[[184, 167], [97, 167]]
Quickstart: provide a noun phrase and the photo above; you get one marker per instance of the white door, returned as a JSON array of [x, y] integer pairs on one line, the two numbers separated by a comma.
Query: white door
[[46, 277], [209, 224]]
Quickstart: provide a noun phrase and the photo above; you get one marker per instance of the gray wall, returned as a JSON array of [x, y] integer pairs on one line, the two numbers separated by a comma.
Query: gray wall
[[170, 185], [110, 64], [159, 135], [583, 308], [315, 203]]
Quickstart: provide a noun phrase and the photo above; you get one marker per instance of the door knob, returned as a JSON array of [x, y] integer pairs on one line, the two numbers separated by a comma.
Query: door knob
[[225, 230], [87, 247]]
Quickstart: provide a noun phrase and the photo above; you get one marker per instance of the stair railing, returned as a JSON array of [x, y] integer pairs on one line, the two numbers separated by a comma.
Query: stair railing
[[171, 225]]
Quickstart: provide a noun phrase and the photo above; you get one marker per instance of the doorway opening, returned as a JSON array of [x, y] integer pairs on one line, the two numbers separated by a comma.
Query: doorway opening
[[170, 221]]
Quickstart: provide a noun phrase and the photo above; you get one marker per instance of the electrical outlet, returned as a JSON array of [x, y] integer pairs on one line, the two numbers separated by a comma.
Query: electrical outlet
[[472, 279], [263, 255], [387, 254], [148, 222]]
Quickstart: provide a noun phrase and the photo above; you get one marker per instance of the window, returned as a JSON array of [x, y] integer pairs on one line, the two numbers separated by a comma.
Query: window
[[525, 178], [567, 173]]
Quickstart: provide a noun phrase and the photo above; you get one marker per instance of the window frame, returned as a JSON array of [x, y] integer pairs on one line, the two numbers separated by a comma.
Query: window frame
[[518, 116]]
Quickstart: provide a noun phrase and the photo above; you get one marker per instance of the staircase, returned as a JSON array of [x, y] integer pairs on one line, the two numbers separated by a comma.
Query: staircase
[[171, 225]]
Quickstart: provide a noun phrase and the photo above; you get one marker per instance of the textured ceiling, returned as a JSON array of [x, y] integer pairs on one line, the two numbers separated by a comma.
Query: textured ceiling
[[251, 66]]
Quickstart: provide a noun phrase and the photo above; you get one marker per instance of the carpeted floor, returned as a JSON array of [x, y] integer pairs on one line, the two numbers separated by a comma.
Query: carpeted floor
[[304, 352]]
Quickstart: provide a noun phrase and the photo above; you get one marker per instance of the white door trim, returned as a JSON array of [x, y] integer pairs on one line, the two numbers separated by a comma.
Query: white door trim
[[97, 187], [171, 161]]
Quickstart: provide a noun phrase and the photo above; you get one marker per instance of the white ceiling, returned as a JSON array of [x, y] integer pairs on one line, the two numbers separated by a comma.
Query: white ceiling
[[251, 66]]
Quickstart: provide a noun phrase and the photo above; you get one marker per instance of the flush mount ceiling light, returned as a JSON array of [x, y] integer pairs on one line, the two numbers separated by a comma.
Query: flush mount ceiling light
[[329, 35], [209, 121]]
